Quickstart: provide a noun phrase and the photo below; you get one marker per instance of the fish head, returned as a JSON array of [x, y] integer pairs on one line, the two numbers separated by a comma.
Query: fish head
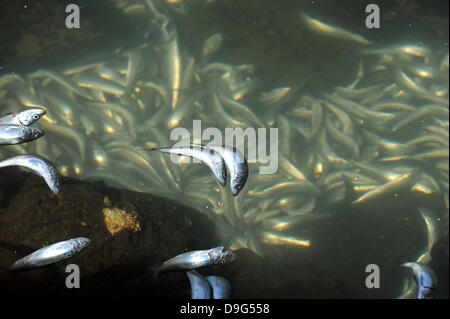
[[31, 115], [83, 242], [228, 256], [238, 181], [55, 185], [36, 133]]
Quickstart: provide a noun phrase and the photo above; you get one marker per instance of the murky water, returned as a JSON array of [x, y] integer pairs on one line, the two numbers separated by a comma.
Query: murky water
[[355, 122]]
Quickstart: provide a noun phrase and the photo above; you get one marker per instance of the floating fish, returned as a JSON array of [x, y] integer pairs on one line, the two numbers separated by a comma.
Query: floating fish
[[18, 134], [425, 279], [221, 288], [38, 165], [200, 288], [51, 254], [236, 164], [215, 163], [333, 31], [26, 117], [196, 259]]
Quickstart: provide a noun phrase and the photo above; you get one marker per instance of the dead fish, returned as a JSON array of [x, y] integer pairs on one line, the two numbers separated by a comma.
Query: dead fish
[[196, 259], [236, 164], [212, 45], [215, 163], [26, 117], [38, 165], [333, 31], [220, 287], [200, 288], [425, 279], [18, 134], [51, 254]]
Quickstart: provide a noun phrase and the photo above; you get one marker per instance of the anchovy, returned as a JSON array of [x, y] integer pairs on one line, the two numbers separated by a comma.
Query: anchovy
[[326, 29], [171, 58], [18, 134], [236, 164], [26, 117], [200, 288], [221, 288], [433, 232], [196, 259], [425, 279], [215, 163], [38, 165], [51, 254], [212, 45]]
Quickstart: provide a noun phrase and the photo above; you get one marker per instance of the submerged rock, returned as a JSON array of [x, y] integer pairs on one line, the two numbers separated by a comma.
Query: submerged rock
[[137, 232]]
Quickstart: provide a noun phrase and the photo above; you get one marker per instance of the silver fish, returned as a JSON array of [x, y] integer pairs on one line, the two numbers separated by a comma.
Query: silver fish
[[425, 279], [52, 254], [26, 117], [433, 232], [221, 288], [171, 58], [236, 164], [329, 30], [15, 134], [212, 45], [215, 163], [38, 165], [200, 288], [196, 259]]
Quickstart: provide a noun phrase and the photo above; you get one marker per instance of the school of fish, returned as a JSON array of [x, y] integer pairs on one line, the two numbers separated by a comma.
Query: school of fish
[[383, 139]]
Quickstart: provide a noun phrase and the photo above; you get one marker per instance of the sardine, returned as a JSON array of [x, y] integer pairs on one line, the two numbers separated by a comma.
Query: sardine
[[425, 279], [212, 159], [433, 233], [212, 45], [236, 164], [39, 166], [200, 288], [333, 31], [17, 134], [26, 117], [220, 287], [51, 254], [171, 58], [196, 259]]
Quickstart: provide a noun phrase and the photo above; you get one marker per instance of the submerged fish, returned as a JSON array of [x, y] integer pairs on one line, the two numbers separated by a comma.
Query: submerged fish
[[196, 259], [202, 153], [221, 288], [425, 279], [18, 134], [236, 164], [38, 165], [199, 285], [51, 254], [171, 59], [329, 30], [212, 45], [26, 117]]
